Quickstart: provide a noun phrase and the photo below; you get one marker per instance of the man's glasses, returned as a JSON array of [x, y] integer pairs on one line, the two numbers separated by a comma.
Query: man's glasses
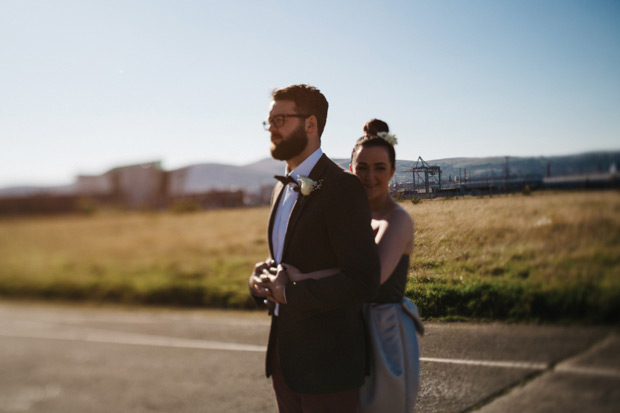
[[278, 120]]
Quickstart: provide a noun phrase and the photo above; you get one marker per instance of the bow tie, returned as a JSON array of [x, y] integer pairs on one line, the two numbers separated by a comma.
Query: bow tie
[[288, 180]]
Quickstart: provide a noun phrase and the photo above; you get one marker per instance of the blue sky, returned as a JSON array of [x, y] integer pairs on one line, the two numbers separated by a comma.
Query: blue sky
[[89, 85]]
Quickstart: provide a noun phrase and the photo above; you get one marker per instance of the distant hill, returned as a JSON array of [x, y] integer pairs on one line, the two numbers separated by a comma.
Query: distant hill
[[532, 167], [251, 177], [262, 171], [26, 190], [197, 178], [476, 168]]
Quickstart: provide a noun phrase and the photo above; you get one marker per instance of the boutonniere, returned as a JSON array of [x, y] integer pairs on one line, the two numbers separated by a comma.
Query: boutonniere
[[307, 185]]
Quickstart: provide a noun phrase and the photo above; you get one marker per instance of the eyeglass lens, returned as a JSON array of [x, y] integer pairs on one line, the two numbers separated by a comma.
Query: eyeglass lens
[[277, 121]]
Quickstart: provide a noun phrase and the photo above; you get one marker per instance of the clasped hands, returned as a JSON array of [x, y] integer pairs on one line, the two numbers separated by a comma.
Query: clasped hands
[[269, 281]]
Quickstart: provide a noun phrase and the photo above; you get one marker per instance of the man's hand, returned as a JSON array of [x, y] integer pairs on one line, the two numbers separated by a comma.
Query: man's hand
[[258, 283], [276, 285]]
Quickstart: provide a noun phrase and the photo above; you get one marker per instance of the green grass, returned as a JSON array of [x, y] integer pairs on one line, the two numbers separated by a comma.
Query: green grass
[[180, 259], [539, 257], [545, 256]]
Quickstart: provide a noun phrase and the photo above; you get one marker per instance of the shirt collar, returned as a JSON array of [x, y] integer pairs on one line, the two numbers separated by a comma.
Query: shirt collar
[[307, 165]]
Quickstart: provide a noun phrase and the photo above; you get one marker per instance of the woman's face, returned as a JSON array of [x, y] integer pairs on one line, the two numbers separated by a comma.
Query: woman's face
[[372, 167]]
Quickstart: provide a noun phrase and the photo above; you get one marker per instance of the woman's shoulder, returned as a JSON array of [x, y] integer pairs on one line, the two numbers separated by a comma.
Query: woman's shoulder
[[402, 225], [399, 215]]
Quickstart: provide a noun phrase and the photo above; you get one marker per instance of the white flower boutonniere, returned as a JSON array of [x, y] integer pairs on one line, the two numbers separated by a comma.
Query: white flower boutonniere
[[307, 185], [391, 139]]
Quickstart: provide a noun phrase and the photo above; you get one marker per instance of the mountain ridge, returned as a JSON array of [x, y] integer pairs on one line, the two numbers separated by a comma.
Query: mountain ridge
[[252, 177]]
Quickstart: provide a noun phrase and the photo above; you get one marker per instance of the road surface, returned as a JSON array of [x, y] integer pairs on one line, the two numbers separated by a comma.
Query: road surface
[[83, 358]]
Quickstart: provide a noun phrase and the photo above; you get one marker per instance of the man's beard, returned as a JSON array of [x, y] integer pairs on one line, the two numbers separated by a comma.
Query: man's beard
[[292, 146]]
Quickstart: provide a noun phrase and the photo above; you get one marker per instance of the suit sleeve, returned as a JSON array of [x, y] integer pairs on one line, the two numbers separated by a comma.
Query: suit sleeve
[[348, 218]]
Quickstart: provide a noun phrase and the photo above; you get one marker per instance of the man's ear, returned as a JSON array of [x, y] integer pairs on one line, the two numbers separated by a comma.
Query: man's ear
[[311, 124], [350, 167]]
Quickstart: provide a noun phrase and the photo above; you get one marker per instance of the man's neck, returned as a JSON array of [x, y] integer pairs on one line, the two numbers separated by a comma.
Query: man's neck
[[297, 160], [291, 164]]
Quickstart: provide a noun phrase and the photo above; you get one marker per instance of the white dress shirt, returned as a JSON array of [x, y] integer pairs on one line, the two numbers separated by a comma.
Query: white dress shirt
[[287, 202], [285, 207]]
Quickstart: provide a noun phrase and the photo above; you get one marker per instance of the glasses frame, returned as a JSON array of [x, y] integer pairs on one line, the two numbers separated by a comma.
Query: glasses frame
[[272, 120]]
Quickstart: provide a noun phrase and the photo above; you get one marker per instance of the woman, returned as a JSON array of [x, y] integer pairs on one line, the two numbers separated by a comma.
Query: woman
[[391, 318]]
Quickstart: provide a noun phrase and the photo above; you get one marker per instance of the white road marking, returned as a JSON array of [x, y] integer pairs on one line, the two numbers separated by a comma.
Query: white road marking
[[576, 365], [113, 337], [490, 363], [48, 331], [585, 370]]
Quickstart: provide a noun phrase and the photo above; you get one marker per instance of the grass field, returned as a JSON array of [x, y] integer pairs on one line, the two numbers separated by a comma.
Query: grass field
[[182, 259], [546, 256]]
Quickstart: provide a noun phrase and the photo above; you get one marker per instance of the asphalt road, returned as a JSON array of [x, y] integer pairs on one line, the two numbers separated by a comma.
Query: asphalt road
[[77, 358]]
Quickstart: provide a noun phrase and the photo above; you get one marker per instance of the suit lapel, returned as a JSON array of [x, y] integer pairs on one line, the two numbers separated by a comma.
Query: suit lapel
[[316, 174], [275, 201]]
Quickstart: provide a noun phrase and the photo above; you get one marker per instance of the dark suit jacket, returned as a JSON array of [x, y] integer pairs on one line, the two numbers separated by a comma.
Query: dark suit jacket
[[320, 332]]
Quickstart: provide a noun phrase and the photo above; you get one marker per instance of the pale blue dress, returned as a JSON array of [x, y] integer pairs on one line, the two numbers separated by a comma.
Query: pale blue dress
[[393, 325]]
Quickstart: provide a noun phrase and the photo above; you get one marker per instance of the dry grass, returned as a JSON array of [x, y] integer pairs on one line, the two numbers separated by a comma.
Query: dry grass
[[546, 256], [136, 256], [546, 238], [512, 256]]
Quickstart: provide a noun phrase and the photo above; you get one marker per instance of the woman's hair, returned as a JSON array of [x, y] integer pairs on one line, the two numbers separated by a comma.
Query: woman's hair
[[371, 140], [374, 126]]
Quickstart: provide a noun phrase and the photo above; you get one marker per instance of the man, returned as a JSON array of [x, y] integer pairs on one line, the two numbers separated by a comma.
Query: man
[[320, 219]]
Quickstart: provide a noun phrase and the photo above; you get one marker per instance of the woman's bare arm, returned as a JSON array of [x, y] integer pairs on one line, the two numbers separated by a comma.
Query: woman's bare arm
[[394, 239]]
